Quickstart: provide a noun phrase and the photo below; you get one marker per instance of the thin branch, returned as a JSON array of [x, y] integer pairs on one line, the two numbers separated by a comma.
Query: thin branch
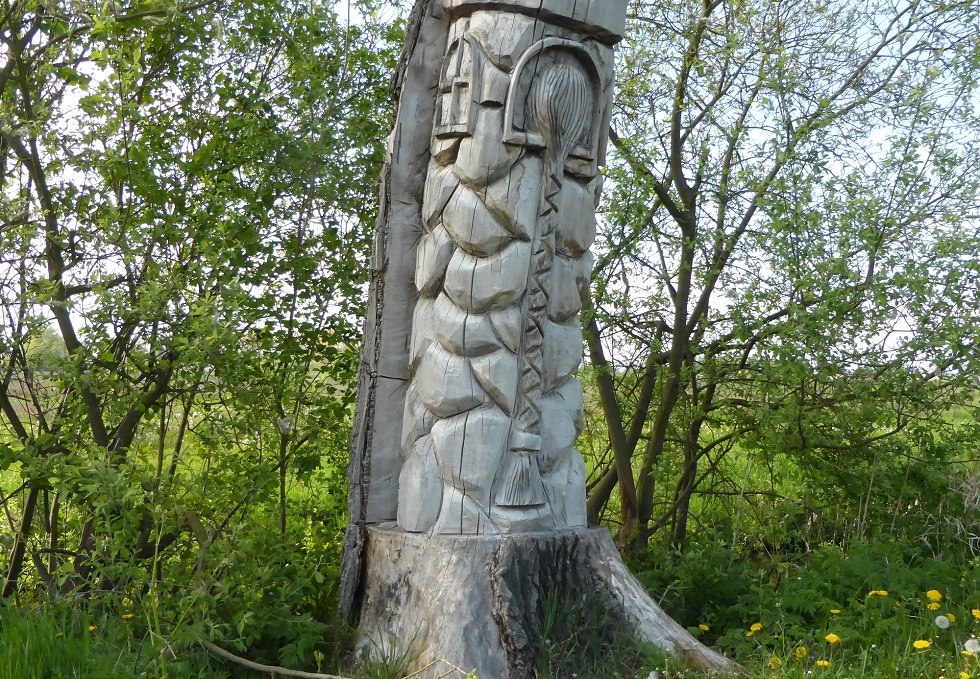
[[259, 667], [663, 194]]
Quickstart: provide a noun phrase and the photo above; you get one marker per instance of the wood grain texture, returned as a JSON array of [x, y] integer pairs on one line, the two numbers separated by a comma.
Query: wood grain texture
[[475, 602]]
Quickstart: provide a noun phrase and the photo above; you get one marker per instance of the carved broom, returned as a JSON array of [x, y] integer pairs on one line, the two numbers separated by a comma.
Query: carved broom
[[558, 105]]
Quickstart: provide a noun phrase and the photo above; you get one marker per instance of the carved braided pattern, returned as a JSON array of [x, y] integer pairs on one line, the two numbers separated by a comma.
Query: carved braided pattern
[[532, 357], [486, 324]]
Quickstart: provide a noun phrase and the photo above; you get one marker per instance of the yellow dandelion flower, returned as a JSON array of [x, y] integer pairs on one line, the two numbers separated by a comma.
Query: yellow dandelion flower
[[756, 626], [877, 592], [951, 617], [976, 613], [92, 628], [703, 627], [774, 662], [933, 606], [832, 638], [964, 675], [934, 595], [58, 635], [749, 633], [823, 663], [835, 611], [126, 616], [965, 653], [921, 644], [800, 652]]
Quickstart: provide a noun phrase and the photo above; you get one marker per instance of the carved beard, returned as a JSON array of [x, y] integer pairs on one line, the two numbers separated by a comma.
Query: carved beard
[[559, 106]]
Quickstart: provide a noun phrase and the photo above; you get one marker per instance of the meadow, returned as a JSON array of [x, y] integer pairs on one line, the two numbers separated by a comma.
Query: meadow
[[893, 606]]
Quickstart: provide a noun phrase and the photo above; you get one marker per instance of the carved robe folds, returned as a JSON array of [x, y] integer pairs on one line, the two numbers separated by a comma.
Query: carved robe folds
[[493, 407]]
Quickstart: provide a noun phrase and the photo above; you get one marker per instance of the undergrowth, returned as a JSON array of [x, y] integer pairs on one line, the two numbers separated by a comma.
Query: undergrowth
[[582, 637], [868, 610], [41, 645], [872, 610]]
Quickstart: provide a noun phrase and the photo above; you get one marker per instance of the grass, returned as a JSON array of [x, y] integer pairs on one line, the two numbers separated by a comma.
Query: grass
[[919, 637], [38, 645], [859, 608], [70, 643], [913, 643], [583, 638], [878, 635]]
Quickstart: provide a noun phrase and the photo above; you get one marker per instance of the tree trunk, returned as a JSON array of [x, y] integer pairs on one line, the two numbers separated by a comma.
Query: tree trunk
[[467, 498], [16, 563], [621, 446], [451, 605]]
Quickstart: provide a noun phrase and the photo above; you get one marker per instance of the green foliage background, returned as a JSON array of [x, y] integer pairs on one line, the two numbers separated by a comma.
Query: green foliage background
[[782, 392], [188, 197]]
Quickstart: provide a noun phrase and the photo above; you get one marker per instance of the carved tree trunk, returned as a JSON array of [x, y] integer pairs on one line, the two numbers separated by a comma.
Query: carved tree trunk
[[467, 496]]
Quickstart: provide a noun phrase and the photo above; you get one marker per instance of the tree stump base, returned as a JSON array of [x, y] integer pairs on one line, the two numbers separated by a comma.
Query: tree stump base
[[452, 604]]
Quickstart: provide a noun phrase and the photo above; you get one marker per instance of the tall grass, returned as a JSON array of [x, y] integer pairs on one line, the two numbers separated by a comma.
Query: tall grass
[[39, 645]]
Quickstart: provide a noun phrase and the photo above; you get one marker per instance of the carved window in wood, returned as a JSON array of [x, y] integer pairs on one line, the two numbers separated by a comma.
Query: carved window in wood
[[459, 87]]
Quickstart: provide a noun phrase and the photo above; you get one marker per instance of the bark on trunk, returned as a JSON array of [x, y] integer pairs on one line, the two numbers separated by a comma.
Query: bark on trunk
[[372, 482]]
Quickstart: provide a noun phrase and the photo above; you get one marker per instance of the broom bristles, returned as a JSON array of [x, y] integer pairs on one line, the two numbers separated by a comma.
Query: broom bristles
[[521, 486]]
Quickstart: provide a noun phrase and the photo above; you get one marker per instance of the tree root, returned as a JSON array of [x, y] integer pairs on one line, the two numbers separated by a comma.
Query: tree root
[[649, 622]]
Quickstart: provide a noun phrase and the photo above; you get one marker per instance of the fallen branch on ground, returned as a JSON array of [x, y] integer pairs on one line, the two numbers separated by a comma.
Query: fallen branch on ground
[[259, 667]]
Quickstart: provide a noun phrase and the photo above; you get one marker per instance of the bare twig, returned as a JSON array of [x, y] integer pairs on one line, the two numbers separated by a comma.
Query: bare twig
[[259, 667]]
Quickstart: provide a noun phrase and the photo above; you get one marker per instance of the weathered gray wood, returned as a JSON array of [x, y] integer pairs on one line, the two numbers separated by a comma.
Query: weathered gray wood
[[475, 602], [467, 405], [383, 375], [508, 214]]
